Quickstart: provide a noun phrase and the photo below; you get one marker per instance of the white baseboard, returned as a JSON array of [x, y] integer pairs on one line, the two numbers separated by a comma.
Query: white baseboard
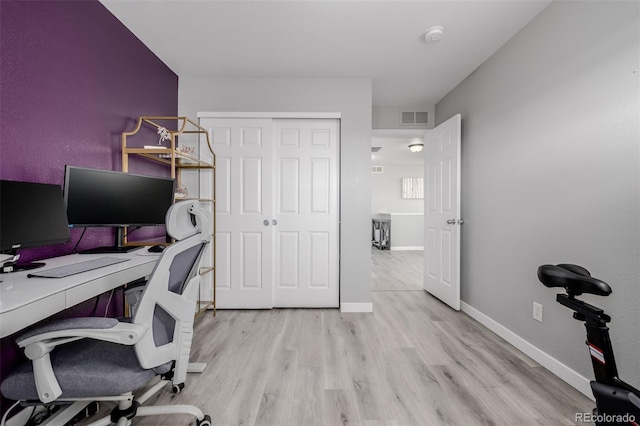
[[575, 380], [356, 307], [407, 248]]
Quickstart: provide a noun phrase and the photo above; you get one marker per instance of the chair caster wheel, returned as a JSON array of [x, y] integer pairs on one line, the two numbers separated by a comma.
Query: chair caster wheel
[[204, 422], [92, 409], [177, 388]]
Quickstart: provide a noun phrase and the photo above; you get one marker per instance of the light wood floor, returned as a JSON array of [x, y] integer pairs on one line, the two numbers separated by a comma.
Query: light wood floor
[[413, 361], [396, 270]]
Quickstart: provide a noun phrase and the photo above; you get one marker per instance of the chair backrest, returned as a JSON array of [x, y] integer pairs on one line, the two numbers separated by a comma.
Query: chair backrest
[[167, 305]]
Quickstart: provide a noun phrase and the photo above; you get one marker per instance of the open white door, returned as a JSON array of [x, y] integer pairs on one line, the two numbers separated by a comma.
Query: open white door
[[442, 212]]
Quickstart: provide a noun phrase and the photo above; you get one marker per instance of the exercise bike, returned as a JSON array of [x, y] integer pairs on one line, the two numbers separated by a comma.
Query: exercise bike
[[617, 403]]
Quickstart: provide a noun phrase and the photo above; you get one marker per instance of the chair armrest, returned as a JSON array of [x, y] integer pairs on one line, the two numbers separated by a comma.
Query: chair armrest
[[69, 323], [119, 332], [38, 346]]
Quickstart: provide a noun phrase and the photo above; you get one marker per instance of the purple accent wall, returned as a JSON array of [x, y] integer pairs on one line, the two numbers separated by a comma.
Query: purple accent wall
[[72, 79]]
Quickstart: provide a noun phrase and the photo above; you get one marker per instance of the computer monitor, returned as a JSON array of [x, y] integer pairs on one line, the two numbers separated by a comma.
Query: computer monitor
[[31, 215], [104, 198]]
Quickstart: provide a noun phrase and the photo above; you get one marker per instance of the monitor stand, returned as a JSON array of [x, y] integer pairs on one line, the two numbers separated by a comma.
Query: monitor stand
[[119, 247]]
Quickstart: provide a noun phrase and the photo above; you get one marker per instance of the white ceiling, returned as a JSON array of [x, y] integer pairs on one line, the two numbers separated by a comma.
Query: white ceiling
[[381, 40]]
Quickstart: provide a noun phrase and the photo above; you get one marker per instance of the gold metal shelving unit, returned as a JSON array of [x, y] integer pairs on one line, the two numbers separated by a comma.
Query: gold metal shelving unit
[[178, 160]]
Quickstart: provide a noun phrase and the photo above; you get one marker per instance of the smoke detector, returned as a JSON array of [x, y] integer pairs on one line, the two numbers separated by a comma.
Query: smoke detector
[[434, 34]]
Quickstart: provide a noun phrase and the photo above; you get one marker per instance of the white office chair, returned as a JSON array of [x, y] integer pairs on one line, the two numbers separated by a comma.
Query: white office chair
[[78, 360]]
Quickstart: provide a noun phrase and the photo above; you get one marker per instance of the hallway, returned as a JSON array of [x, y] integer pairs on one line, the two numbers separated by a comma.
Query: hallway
[[396, 270]]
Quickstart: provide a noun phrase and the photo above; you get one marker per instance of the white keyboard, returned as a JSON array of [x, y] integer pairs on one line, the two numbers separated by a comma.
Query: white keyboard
[[76, 268]]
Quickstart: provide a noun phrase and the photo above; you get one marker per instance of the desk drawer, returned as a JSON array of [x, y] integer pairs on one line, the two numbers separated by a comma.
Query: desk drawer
[[23, 317]]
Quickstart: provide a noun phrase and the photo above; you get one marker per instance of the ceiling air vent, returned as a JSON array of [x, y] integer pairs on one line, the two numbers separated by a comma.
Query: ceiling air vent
[[414, 118], [376, 169]]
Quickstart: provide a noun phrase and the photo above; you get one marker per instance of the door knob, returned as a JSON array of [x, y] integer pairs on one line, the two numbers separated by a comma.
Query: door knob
[[460, 221], [451, 222], [265, 222], [274, 222]]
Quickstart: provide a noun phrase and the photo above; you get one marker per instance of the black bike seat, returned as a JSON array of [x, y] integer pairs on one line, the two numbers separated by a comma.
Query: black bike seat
[[574, 278]]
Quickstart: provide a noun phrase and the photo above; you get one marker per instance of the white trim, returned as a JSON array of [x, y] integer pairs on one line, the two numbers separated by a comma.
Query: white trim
[[400, 248], [226, 114], [574, 379], [356, 307]]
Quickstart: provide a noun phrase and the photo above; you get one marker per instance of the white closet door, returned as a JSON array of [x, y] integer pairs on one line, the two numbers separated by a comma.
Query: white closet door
[[306, 211], [244, 159]]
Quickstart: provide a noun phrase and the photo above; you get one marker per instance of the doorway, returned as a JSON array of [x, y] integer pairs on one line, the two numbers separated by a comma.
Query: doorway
[[397, 171]]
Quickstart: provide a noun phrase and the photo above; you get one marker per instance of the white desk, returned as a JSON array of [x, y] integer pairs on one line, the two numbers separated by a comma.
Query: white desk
[[25, 301]]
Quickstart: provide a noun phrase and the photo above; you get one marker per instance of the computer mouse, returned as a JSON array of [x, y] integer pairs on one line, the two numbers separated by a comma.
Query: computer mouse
[[158, 248]]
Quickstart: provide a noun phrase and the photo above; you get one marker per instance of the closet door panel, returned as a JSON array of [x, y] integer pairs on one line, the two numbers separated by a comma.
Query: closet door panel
[[306, 151], [244, 191]]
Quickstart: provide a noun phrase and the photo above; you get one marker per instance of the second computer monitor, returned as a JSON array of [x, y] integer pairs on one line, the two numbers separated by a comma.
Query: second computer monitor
[[116, 199]]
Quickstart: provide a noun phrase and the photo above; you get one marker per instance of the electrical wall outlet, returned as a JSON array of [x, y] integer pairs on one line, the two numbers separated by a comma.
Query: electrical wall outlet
[[537, 311]]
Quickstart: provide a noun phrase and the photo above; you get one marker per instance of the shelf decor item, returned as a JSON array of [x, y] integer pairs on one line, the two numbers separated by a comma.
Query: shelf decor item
[[164, 135]]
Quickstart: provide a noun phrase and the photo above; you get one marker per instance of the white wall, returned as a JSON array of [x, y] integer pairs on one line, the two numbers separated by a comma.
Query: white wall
[[407, 231], [387, 189], [351, 98], [551, 174]]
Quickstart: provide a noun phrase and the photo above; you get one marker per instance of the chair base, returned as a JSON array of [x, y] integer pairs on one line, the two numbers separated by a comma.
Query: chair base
[[132, 407], [129, 407]]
